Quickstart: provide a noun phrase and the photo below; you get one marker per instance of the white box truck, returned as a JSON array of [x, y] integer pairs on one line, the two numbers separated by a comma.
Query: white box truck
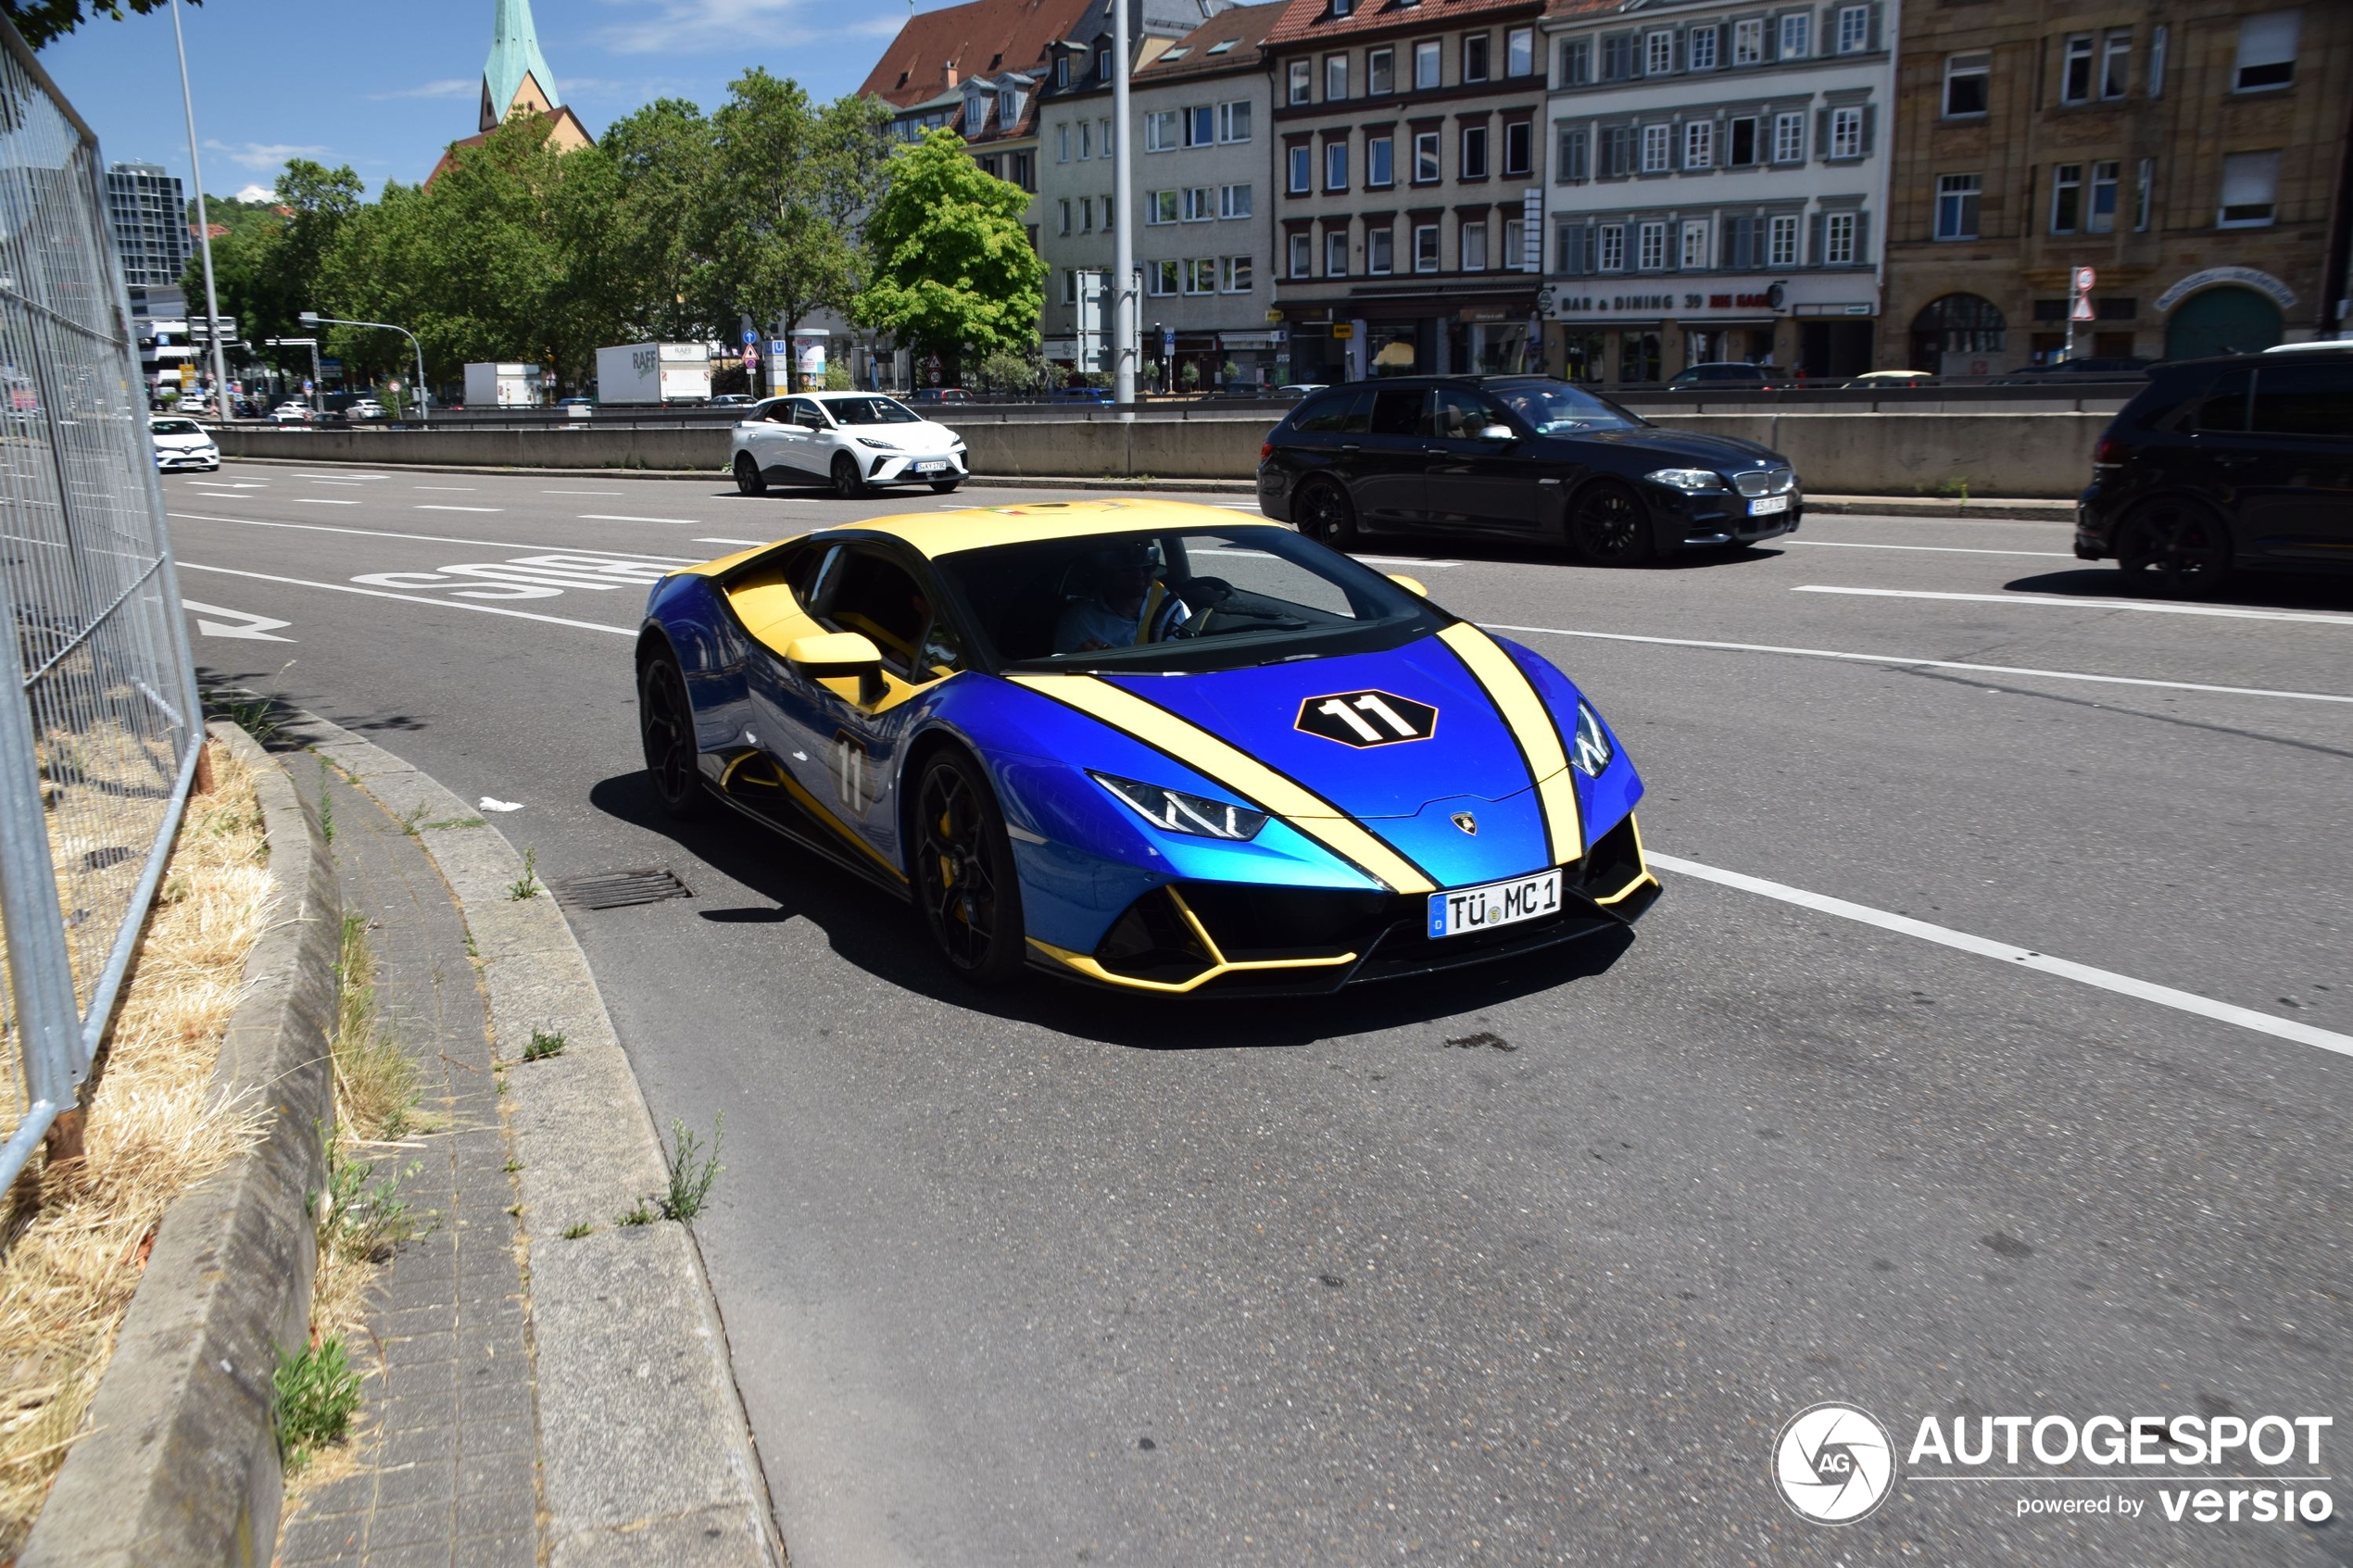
[[653, 372], [502, 386]]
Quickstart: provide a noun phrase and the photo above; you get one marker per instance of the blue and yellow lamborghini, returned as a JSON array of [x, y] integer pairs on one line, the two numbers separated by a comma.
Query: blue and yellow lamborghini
[[1150, 745]]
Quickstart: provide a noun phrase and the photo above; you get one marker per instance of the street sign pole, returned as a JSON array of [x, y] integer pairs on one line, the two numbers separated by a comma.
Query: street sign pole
[[1123, 249], [2080, 307]]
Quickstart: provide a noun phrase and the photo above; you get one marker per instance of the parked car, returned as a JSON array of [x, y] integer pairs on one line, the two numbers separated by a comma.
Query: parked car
[[2113, 368], [2217, 466], [180, 443], [291, 412], [854, 441], [576, 402], [1520, 457], [363, 411], [731, 399], [940, 395], [1893, 378], [1097, 395], [1299, 388], [1725, 375]]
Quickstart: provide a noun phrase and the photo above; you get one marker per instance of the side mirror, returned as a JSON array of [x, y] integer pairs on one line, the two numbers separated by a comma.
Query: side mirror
[[1410, 584], [1497, 432], [833, 656]]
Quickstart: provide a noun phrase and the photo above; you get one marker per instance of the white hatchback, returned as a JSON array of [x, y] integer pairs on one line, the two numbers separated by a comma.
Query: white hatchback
[[854, 441], [180, 443]]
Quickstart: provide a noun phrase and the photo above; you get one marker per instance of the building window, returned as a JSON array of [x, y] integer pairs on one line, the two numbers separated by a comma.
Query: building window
[[1576, 62], [1699, 144], [1474, 247], [1063, 208], [1380, 72], [1798, 35], [1517, 137], [1303, 81], [1425, 157], [2075, 71], [1788, 138], [1520, 52], [1650, 243], [1617, 151], [1233, 201], [1086, 214], [1336, 165], [1846, 134], [1161, 207], [1783, 235], [1085, 140], [1061, 143], [1515, 245], [1574, 150], [1659, 53], [2144, 194], [1103, 141], [1380, 160], [1425, 247], [1612, 258], [2157, 61], [1201, 205], [2266, 51], [1854, 29], [1070, 286], [1103, 65], [2116, 64], [1475, 64], [1234, 274], [1837, 240], [1695, 253], [1426, 59], [1062, 70], [1740, 142], [1957, 206], [2250, 190], [1200, 275], [1108, 224], [1335, 78], [1201, 125], [1474, 164], [1302, 169], [1967, 81], [1335, 253], [2067, 198], [1748, 42], [1699, 49], [1160, 131], [1303, 255], [2100, 217], [1160, 277], [1657, 146], [1380, 252], [1233, 120]]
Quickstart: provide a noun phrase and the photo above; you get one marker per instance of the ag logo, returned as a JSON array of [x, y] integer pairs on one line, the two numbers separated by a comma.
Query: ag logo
[[1367, 718], [1834, 1463]]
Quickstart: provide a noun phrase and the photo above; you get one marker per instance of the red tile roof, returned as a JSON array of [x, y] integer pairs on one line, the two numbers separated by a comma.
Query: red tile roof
[[982, 38], [1311, 22], [1247, 25]]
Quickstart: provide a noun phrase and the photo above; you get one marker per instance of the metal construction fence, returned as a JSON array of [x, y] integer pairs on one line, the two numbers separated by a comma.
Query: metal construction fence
[[99, 718]]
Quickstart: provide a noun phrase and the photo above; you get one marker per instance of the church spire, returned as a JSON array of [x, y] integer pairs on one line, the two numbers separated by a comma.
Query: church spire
[[516, 75]]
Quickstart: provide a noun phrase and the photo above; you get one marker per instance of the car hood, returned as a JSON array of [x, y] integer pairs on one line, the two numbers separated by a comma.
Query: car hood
[[181, 443], [923, 435], [1669, 444]]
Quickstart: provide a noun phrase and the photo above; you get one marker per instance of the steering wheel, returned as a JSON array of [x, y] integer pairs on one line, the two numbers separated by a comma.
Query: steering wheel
[[1199, 594]]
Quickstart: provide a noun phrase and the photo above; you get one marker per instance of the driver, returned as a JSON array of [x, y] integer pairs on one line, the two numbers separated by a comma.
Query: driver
[[1114, 617]]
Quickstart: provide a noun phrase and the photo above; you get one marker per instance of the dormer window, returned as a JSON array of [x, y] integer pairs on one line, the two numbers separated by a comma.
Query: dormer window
[[1343, 8], [1103, 65], [1008, 108], [1062, 70], [1221, 47]]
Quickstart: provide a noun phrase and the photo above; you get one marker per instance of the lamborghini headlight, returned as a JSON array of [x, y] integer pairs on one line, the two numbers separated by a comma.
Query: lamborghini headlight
[[1172, 810], [1589, 752], [1687, 479]]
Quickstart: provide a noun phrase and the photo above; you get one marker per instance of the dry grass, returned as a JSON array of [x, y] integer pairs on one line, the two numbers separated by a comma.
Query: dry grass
[[155, 1126]]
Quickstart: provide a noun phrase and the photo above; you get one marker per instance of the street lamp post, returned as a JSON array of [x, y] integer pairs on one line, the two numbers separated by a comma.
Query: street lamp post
[[204, 227], [424, 403], [1122, 248]]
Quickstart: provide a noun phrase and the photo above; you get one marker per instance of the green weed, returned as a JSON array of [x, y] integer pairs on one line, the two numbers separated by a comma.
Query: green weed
[[526, 885], [545, 1043], [691, 1181], [317, 1393]]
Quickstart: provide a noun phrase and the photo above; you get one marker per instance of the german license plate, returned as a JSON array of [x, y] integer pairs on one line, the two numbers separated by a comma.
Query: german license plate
[[930, 468], [1498, 903], [1765, 506]]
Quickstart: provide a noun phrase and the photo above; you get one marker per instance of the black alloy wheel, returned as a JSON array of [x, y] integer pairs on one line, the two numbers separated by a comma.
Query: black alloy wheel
[[1326, 514], [965, 883], [2172, 547], [847, 483], [666, 726], [1608, 526], [944, 486], [749, 480]]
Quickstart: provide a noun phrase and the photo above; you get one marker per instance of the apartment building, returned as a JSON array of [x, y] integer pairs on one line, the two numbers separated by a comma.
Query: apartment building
[[1406, 206], [149, 212], [2192, 153], [1203, 233], [1719, 176]]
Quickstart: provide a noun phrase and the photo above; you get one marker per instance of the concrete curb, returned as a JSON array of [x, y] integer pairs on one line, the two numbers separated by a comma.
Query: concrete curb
[[646, 1455], [180, 1465], [1993, 510]]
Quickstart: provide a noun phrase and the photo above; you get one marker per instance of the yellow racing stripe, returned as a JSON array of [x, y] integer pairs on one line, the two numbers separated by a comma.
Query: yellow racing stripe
[[1245, 775], [1531, 724]]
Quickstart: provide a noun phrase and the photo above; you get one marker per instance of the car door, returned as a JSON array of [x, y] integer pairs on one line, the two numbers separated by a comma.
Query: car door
[[763, 436], [1471, 482], [1387, 466], [2295, 498]]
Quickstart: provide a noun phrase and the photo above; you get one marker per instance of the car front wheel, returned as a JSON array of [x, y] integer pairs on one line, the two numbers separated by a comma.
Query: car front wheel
[[749, 480], [965, 882], [2174, 548], [1609, 526], [846, 484], [666, 727]]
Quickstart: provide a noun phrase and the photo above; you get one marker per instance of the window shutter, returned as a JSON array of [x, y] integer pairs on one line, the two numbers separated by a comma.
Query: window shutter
[[1821, 132], [1813, 256], [1743, 242], [1870, 127], [1863, 238], [1675, 145], [1879, 10]]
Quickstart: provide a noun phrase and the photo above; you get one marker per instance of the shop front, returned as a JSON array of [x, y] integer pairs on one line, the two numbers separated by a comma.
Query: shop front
[[1374, 336], [1648, 328]]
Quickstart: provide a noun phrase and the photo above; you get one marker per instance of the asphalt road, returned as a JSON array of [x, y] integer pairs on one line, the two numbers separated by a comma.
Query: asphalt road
[[1527, 1265]]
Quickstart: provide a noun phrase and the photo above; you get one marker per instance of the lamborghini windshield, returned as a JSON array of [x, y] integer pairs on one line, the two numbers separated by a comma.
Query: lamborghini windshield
[[1192, 599]]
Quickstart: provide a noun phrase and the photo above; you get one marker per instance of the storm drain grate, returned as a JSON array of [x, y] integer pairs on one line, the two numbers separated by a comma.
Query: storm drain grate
[[618, 890]]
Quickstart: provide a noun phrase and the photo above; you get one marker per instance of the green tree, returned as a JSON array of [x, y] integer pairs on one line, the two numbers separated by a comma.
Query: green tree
[[269, 263], [42, 22], [663, 159], [953, 271]]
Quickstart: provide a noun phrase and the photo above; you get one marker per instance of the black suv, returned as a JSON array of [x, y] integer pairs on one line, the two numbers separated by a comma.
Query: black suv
[[1517, 457], [2221, 465]]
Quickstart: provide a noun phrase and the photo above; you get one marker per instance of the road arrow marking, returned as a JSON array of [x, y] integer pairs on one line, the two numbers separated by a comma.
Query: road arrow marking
[[255, 628]]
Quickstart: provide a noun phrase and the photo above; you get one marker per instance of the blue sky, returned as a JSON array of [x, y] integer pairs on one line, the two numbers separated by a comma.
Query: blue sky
[[384, 85]]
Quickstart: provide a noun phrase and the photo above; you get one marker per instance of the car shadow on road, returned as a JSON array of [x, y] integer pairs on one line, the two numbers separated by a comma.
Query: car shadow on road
[[2247, 590], [1536, 553], [868, 928]]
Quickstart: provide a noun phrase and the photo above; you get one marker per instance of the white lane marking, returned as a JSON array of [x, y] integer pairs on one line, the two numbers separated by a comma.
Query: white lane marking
[[335, 477], [451, 487], [1930, 550], [412, 598], [735, 540], [433, 538], [346, 483], [2084, 975], [1929, 663], [1405, 561], [610, 517], [582, 492], [322, 501], [444, 507], [2225, 612], [235, 623]]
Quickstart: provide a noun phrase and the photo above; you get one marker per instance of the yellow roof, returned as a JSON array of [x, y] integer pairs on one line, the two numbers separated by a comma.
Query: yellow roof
[[980, 528]]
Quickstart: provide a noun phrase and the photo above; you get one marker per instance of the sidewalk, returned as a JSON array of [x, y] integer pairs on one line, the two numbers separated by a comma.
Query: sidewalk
[[448, 1439]]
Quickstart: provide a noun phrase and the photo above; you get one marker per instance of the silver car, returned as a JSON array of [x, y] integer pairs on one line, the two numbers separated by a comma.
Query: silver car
[[854, 441]]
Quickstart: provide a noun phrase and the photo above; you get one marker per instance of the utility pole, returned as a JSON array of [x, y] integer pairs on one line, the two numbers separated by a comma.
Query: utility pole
[[204, 227], [1122, 248]]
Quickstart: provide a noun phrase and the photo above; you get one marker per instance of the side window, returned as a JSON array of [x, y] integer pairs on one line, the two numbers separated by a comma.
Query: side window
[[873, 594], [1360, 414], [1461, 415], [2224, 405], [2304, 400], [808, 571], [778, 412], [808, 415], [942, 651], [1325, 415], [1397, 412]]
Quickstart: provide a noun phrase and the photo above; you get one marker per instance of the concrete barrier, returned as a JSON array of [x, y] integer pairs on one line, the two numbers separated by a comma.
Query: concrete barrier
[[1845, 454]]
